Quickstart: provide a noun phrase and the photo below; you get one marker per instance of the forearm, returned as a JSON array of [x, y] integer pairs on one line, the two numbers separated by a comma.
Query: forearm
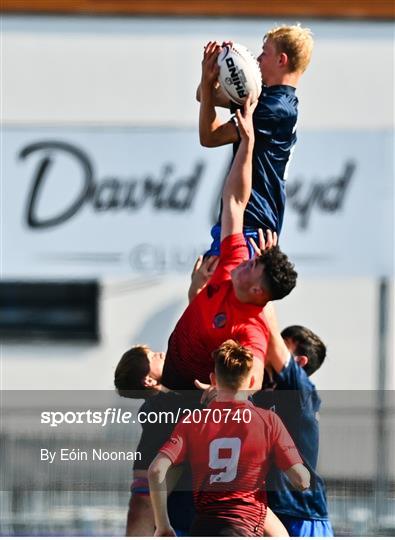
[[238, 185], [158, 493], [140, 520], [209, 121], [277, 353], [299, 476]]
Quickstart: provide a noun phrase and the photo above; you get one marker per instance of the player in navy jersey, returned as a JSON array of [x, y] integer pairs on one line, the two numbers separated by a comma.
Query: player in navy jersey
[[230, 451], [285, 55], [294, 355]]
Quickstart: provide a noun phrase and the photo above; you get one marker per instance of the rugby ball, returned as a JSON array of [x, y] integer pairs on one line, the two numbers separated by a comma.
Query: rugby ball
[[239, 73]]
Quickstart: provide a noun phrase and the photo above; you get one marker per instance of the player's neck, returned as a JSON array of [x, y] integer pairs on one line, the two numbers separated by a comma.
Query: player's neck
[[225, 394], [289, 79]]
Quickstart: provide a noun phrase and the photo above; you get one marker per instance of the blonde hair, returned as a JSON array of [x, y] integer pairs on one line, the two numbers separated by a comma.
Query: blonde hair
[[233, 363], [296, 42]]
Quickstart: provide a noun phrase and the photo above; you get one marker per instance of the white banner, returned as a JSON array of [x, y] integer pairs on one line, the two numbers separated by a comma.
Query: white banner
[[89, 202]]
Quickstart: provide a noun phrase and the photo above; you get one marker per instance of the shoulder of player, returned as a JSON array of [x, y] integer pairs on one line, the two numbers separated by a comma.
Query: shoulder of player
[[163, 401], [263, 415], [233, 241], [251, 324], [277, 103], [295, 376]]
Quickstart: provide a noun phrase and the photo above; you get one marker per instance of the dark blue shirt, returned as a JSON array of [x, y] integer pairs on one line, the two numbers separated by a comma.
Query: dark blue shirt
[[275, 135], [296, 401], [180, 501]]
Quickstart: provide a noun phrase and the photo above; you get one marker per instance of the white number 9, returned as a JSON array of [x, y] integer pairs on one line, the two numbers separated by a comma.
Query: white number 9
[[229, 463]]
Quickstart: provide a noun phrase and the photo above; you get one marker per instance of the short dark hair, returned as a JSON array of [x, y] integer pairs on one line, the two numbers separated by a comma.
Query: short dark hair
[[306, 344], [232, 363], [131, 371], [279, 275]]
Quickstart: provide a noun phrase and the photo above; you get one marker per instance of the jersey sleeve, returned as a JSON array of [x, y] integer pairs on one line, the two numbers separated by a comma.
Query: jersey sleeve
[[255, 339], [176, 448], [233, 251], [284, 450]]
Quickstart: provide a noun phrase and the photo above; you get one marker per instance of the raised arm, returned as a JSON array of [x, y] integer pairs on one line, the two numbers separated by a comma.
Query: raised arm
[[278, 354], [158, 491], [237, 188], [201, 273], [212, 131]]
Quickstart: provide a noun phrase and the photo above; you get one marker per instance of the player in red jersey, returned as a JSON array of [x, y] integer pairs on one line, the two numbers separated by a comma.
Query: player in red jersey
[[230, 447], [230, 306]]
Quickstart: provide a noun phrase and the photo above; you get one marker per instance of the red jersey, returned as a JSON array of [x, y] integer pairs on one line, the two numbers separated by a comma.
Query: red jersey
[[212, 317], [230, 447]]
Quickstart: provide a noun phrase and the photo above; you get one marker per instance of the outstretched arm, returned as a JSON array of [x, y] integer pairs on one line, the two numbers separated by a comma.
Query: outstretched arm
[[158, 491], [237, 188], [201, 273], [212, 131]]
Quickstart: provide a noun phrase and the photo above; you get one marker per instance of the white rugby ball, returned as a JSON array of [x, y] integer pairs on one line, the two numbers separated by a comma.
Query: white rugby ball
[[239, 73]]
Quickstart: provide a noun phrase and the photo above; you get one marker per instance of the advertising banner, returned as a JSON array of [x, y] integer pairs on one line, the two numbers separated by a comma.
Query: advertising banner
[[107, 202]]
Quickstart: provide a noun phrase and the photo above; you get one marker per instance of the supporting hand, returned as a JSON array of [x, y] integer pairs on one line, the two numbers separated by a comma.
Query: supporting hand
[[264, 244], [209, 392], [210, 68]]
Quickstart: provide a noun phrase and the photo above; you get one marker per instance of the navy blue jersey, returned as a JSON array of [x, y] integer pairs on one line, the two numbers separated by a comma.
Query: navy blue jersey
[[275, 135], [296, 401]]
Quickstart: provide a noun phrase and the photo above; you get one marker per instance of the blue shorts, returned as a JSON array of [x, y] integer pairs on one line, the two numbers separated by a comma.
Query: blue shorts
[[216, 243], [307, 527]]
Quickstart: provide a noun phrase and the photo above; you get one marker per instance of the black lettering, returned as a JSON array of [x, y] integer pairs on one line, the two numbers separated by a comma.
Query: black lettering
[[107, 195], [130, 195], [334, 192], [183, 191], [304, 207], [42, 174]]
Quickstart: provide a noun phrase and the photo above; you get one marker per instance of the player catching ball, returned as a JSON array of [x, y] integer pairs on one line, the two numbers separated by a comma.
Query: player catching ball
[[286, 53], [230, 447]]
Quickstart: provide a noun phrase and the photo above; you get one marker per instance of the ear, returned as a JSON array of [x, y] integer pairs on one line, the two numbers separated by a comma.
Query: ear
[[256, 290], [149, 382], [301, 360], [213, 379], [283, 59], [252, 382]]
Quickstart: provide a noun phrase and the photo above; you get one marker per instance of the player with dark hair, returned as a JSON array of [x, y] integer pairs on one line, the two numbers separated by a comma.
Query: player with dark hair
[[229, 451], [306, 346], [285, 55]]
